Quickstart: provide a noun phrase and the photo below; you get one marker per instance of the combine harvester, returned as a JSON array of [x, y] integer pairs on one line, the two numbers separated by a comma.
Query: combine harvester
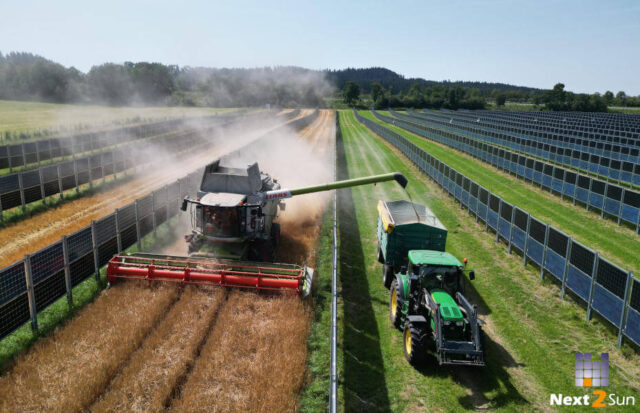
[[234, 234]]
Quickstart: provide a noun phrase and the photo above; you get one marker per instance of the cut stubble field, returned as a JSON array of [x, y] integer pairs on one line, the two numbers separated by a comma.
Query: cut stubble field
[[142, 348]]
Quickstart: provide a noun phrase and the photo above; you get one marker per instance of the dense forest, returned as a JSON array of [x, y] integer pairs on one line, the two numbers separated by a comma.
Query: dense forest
[[25, 76]]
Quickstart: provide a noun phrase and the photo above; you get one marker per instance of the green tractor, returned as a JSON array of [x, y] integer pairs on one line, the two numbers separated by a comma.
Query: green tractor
[[425, 294]]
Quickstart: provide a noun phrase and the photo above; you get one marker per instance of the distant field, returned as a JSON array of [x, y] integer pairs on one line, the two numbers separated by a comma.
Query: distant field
[[29, 117], [619, 109]]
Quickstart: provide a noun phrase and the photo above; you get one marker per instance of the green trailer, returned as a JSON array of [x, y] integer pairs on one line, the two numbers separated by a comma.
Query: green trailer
[[404, 226]]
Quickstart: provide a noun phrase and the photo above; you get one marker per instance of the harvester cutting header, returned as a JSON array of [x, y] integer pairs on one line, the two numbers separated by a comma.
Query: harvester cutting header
[[233, 233]]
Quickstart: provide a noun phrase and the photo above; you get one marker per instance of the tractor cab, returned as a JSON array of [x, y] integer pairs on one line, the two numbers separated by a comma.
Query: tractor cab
[[432, 270]]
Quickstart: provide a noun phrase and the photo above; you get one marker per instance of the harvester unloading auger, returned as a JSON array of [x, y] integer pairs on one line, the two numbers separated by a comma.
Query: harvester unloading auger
[[234, 236]]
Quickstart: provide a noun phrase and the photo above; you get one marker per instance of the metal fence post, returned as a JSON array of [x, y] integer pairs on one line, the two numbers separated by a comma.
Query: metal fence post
[[60, 187], [24, 157], [42, 193], [486, 214], [104, 178], [566, 266], [606, 187], [67, 270], [498, 223], [620, 209], [38, 152], [118, 235], [90, 172], [21, 185], [75, 173], [513, 217], [625, 308], [544, 251], [33, 311], [94, 243], [153, 213], [594, 274], [138, 241]]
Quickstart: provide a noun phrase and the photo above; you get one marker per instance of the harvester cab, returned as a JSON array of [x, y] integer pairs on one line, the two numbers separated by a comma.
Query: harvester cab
[[426, 296], [230, 217], [234, 234]]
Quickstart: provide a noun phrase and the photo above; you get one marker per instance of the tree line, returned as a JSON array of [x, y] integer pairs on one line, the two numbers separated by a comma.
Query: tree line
[[25, 76], [458, 97]]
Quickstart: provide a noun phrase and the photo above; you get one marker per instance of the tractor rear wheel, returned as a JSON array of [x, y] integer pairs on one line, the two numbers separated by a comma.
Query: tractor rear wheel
[[414, 339], [395, 307]]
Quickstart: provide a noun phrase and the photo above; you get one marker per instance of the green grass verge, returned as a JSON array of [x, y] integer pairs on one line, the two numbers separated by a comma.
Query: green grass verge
[[531, 333], [620, 245], [84, 293], [315, 397]]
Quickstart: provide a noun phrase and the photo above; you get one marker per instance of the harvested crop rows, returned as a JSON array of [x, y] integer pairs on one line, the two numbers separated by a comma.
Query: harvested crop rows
[[44, 228], [141, 348]]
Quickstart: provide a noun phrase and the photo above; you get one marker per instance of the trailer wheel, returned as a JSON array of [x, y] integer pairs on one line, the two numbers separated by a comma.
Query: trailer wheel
[[414, 338], [387, 275], [395, 307]]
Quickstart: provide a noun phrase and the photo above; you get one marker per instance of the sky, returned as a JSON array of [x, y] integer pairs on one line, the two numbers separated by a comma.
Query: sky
[[590, 46]]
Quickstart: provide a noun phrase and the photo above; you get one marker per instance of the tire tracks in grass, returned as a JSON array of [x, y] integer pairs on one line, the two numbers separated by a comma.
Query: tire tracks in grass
[[476, 398], [537, 319], [435, 386]]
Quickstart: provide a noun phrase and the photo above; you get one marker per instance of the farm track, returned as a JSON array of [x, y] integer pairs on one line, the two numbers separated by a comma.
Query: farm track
[[45, 228], [621, 243], [193, 350], [531, 331]]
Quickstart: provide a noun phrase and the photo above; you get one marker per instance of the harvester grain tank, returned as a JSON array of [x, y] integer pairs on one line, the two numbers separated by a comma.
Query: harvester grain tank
[[234, 234], [426, 285]]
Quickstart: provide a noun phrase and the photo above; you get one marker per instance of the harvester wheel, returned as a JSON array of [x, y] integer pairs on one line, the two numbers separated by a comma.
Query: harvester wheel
[[395, 307], [414, 340], [387, 275]]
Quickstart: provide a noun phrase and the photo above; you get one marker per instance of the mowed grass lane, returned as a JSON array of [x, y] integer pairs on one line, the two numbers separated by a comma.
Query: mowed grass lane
[[618, 244], [531, 333]]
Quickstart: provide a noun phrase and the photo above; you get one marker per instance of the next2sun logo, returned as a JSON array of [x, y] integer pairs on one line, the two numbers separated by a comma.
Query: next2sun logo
[[592, 373]]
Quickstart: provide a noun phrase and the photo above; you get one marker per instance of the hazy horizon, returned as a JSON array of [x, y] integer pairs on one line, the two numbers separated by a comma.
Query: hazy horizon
[[589, 46]]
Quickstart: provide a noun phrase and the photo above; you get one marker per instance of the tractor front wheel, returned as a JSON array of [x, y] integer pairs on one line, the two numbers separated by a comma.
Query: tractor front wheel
[[395, 306], [414, 338]]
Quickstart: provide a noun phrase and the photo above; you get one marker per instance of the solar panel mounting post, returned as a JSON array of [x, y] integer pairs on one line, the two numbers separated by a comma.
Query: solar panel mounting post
[[625, 308]]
